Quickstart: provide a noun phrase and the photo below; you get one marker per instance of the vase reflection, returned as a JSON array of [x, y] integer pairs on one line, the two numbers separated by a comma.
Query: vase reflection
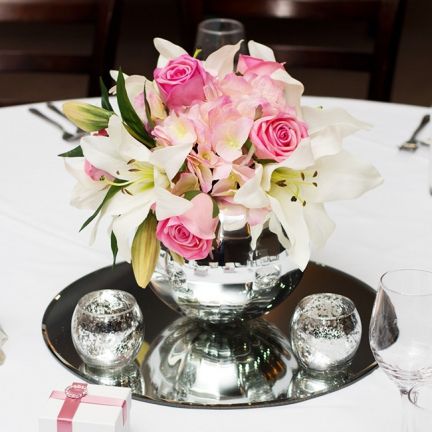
[[201, 364], [192, 362]]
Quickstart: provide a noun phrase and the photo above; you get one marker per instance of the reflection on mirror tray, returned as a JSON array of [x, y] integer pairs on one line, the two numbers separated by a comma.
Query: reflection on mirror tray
[[128, 376], [308, 383], [193, 362], [253, 364]]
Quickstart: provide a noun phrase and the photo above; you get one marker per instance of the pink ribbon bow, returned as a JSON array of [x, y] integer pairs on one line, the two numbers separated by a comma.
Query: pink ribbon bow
[[73, 396]]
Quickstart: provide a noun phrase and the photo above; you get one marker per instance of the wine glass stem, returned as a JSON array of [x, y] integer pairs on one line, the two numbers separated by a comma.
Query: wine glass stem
[[406, 425]]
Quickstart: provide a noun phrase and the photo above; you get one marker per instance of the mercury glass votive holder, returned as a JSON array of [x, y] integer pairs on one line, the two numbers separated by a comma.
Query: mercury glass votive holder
[[107, 328], [325, 332]]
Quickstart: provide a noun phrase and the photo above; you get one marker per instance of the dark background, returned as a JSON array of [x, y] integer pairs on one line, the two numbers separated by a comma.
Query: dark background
[[144, 19]]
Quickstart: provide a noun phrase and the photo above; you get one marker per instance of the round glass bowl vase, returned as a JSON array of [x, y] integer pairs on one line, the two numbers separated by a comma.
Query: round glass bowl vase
[[325, 332], [107, 328], [243, 278]]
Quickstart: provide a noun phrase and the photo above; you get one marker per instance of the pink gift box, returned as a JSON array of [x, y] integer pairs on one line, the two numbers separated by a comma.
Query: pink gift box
[[87, 408]]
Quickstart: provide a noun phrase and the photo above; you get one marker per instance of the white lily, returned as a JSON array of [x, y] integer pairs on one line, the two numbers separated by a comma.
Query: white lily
[[87, 193], [145, 176], [317, 172]]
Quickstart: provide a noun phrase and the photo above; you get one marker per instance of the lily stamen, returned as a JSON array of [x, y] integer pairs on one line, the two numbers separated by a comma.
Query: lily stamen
[[294, 181]]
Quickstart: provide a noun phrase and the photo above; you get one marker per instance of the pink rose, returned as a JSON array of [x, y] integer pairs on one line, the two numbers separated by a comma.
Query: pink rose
[[276, 137], [248, 64], [181, 82], [190, 234]]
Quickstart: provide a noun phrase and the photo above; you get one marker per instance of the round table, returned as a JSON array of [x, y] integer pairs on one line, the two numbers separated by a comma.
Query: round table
[[42, 252]]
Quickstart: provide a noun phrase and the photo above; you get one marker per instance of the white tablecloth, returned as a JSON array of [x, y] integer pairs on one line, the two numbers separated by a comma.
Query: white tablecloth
[[42, 252]]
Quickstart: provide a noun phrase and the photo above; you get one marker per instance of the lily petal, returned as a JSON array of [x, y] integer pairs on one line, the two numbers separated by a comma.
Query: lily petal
[[114, 75], [319, 224], [102, 152], [128, 147], [125, 227], [221, 62], [261, 51], [134, 84], [87, 193], [255, 231], [328, 127], [276, 228], [169, 205], [291, 217], [342, 176], [251, 194], [122, 203], [171, 158], [302, 158], [167, 51]]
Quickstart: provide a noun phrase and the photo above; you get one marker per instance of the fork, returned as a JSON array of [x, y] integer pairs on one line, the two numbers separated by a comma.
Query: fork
[[412, 143], [67, 136]]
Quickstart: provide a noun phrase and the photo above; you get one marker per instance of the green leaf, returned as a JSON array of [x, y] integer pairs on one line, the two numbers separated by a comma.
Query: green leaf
[[145, 251], [147, 109], [197, 52], [106, 104], [129, 115], [248, 144], [114, 247], [87, 117], [111, 192], [189, 195], [265, 161], [215, 209], [75, 152]]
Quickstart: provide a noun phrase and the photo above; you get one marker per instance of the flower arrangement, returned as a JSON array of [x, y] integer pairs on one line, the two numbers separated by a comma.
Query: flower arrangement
[[201, 138]]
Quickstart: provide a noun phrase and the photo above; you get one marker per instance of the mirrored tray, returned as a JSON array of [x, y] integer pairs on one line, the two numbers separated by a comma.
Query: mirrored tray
[[185, 364]]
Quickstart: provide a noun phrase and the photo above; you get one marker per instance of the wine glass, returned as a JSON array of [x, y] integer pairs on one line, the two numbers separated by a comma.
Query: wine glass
[[401, 330], [420, 398], [216, 32]]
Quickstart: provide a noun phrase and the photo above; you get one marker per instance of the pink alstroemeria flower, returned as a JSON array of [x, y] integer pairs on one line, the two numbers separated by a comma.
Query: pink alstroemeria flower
[[175, 130], [201, 164], [229, 131]]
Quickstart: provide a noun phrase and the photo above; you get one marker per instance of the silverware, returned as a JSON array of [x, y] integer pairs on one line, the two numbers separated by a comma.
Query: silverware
[[412, 143], [67, 136], [52, 107], [58, 111]]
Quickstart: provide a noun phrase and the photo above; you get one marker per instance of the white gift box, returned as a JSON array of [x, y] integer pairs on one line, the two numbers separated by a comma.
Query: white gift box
[[87, 408]]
